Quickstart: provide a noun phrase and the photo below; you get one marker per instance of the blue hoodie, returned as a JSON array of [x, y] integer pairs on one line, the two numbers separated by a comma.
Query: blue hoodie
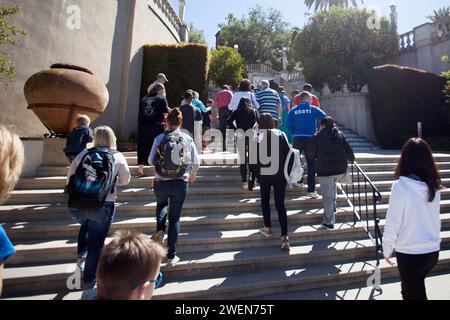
[[302, 120]]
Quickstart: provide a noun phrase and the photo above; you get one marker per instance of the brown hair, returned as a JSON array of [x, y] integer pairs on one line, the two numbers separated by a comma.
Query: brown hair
[[11, 161], [126, 262], [417, 160], [175, 117], [245, 85], [266, 122]]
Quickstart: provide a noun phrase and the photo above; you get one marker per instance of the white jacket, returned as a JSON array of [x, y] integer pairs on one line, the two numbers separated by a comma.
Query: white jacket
[[243, 94], [413, 224]]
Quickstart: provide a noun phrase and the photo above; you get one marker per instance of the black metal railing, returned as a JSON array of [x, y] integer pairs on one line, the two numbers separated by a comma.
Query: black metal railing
[[363, 197]]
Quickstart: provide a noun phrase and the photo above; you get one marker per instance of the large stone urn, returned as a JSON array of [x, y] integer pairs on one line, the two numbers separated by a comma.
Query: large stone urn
[[61, 93]]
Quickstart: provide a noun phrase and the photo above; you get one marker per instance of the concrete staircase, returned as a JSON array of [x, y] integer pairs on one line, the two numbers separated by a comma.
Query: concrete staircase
[[359, 143], [222, 254]]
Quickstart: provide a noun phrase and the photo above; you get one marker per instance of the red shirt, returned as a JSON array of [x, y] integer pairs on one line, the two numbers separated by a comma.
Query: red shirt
[[223, 98], [315, 101]]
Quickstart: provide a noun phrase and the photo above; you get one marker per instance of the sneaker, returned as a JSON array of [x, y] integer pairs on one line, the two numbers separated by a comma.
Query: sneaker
[[172, 262], [158, 237], [266, 232], [313, 195], [325, 226], [245, 186], [285, 246]]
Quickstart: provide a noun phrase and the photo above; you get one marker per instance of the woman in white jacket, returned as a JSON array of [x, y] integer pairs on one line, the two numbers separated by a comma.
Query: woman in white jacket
[[244, 91], [413, 222]]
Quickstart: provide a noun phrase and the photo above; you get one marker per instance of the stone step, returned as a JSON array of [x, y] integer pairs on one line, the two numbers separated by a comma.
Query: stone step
[[293, 274], [220, 237], [57, 175], [205, 218], [54, 196], [303, 226], [192, 206], [53, 187]]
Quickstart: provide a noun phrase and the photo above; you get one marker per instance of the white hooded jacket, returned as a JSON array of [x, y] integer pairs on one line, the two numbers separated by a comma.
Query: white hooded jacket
[[413, 223]]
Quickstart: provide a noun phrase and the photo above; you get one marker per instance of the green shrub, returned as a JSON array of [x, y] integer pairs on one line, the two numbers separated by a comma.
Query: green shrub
[[226, 67], [400, 97], [185, 65], [439, 143]]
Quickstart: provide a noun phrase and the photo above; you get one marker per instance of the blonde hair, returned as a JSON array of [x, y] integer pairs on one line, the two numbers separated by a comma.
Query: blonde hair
[[83, 120], [126, 262], [104, 137], [11, 161]]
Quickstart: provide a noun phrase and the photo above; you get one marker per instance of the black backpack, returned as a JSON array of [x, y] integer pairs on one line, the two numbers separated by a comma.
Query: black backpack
[[93, 180], [171, 155]]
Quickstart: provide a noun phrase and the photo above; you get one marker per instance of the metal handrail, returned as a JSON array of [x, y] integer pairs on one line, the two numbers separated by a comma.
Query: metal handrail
[[359, 203]]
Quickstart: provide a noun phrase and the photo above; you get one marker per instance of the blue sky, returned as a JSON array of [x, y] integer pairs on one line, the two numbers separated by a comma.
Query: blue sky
[[207, 14]]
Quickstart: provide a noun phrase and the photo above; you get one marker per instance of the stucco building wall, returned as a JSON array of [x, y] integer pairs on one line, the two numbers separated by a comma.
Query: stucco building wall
[[102, 44]]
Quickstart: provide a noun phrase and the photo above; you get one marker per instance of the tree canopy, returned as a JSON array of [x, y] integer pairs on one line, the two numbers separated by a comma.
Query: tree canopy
[[226, 67], [326, 4], [9, 36], [196, 35], [260, 36], [338, 48]]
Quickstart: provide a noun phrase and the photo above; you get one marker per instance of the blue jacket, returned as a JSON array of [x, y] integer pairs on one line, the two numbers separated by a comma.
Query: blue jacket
[[302, 120]]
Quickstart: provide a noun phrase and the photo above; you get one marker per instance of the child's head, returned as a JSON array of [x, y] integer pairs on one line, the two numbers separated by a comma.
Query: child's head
[[83, 120], [129, 267], [11, 161], [104, 137]]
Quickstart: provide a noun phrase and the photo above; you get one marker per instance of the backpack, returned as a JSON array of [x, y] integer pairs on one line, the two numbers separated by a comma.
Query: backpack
[[171, 155], [297, 170], [93, 180]]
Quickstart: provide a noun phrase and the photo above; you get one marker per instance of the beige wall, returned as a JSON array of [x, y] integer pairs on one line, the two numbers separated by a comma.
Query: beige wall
[[99, 45], [351, 110], [428, 51], [146, 29]]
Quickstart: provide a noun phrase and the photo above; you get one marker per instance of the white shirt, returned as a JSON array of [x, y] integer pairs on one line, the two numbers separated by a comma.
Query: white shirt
[[121, 170], [243, 94], [413, 224]]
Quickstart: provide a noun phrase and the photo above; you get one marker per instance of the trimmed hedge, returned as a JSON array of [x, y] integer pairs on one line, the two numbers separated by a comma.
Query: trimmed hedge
[[400, 97], [185, 65]]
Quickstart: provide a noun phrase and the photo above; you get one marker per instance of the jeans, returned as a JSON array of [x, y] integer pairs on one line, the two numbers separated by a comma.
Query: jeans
[[224, 114], [302, 145], [329, 191], [170, 197], [279, 188], [413, 271], [94, 229]]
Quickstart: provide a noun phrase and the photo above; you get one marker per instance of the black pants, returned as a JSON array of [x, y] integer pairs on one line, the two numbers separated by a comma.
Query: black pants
[[224, 114], [279, 188], [413, 271], [302, 145], [146, 136], [245, 167]]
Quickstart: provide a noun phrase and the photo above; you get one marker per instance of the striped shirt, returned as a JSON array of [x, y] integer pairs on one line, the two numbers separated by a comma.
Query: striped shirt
[[269, 100]]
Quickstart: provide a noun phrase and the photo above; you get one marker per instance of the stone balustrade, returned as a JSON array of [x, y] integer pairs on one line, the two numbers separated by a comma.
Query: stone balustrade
[[168, 11], [407, 41]]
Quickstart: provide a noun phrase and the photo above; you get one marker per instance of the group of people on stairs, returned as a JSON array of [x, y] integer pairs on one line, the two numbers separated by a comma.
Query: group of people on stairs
[[129, 266]]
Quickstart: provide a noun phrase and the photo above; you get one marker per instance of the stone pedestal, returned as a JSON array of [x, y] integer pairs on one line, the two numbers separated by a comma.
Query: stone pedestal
[[351, 110], [53, 152]]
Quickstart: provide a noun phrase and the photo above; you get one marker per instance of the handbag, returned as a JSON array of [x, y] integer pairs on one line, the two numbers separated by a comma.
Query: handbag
[[347, 178]]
